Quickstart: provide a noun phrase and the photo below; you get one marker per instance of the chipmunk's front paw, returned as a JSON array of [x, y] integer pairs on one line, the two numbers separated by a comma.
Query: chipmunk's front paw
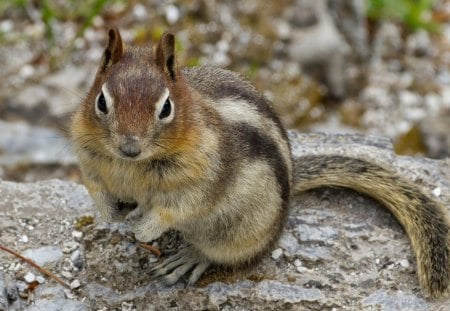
[[134, 216], [144, 226]]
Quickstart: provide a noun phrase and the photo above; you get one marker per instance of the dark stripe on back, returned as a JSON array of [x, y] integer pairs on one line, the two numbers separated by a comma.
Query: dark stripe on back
[[218, 83], [256, 145]]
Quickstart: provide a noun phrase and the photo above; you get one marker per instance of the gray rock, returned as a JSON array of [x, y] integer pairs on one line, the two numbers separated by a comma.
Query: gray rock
[[3, 296], [26, 199], [77, 259], [52, 298], [381, 300], [22, 144], [9, 298], [345, 244], [315, 39], [314, 233], [277, 291], [44, 255]]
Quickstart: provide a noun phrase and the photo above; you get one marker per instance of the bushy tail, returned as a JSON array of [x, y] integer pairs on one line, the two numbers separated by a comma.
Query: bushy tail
[[423, 218]]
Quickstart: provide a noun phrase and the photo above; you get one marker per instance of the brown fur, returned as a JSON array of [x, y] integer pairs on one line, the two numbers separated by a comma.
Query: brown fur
[[220, 170]]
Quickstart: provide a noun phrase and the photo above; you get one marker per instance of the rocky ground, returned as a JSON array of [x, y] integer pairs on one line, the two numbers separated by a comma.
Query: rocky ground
[[339, 250]]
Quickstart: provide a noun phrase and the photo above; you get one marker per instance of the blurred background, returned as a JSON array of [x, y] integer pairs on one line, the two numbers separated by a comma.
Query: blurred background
[[359, 66]]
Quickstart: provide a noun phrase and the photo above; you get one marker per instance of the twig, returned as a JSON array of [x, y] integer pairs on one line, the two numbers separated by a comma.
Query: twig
[[35, 265], [151, 248]]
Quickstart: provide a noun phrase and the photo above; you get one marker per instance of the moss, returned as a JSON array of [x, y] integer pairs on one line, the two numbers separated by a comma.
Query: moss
[[410, 143], [84, 221]]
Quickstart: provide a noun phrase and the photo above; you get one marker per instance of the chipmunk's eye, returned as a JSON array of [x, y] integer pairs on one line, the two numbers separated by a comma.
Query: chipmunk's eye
[[101, 103], [166, 109]]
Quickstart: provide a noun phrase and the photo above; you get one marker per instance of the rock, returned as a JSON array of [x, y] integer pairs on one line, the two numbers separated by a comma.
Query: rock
[[24, 144], [9, 296], [29, 277], [337, 244], [67, 274], [315, 39], [404, 263], [69, 246], [75, 284], [381, 300], [435, 129], [289, 243], [313, 233], [44, 255], [437, 191], [77, 235], [277, 291], [53, 298], [77, 259], [40, 279], [277, 253]]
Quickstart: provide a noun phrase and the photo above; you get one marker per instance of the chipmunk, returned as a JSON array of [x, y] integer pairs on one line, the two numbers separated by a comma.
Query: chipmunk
[[201, 151]]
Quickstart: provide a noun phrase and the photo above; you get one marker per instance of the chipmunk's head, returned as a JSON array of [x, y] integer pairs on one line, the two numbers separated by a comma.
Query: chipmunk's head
[[136, 105]]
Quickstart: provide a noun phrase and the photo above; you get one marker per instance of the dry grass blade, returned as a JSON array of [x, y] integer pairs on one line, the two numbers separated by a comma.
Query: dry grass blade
[[151, 248], [35, 265]]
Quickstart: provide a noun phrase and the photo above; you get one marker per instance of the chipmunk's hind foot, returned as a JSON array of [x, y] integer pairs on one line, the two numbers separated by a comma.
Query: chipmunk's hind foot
[[179, 264]]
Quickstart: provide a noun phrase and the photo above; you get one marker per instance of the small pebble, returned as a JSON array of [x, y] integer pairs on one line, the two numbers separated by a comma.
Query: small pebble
[[437, 191], [67, 274], [69, 247], [77, 235], [40, 279], [69, 294], [277, 253], [127, 306], [297, 263], [24, 239], [76, 259], [404, 263], [152, 259], [75, 284], [29, 277]]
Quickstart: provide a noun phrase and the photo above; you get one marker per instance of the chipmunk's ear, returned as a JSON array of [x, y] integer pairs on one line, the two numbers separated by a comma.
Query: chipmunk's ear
[[165, 54], [114, 50]]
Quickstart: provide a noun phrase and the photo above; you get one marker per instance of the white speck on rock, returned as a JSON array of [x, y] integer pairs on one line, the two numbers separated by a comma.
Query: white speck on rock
[[24, 239], [69, 247], [404, 263], [40, 279], [29, 277], [276, 254], [437, 191], [75, 284], [69, 294], [77, 235], [67, 275]]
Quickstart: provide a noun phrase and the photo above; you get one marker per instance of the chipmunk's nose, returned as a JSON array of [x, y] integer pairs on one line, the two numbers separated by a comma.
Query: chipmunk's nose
[[130, 147]]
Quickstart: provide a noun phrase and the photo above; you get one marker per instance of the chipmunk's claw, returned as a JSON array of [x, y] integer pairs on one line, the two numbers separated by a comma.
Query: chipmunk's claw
[[179, 264]]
